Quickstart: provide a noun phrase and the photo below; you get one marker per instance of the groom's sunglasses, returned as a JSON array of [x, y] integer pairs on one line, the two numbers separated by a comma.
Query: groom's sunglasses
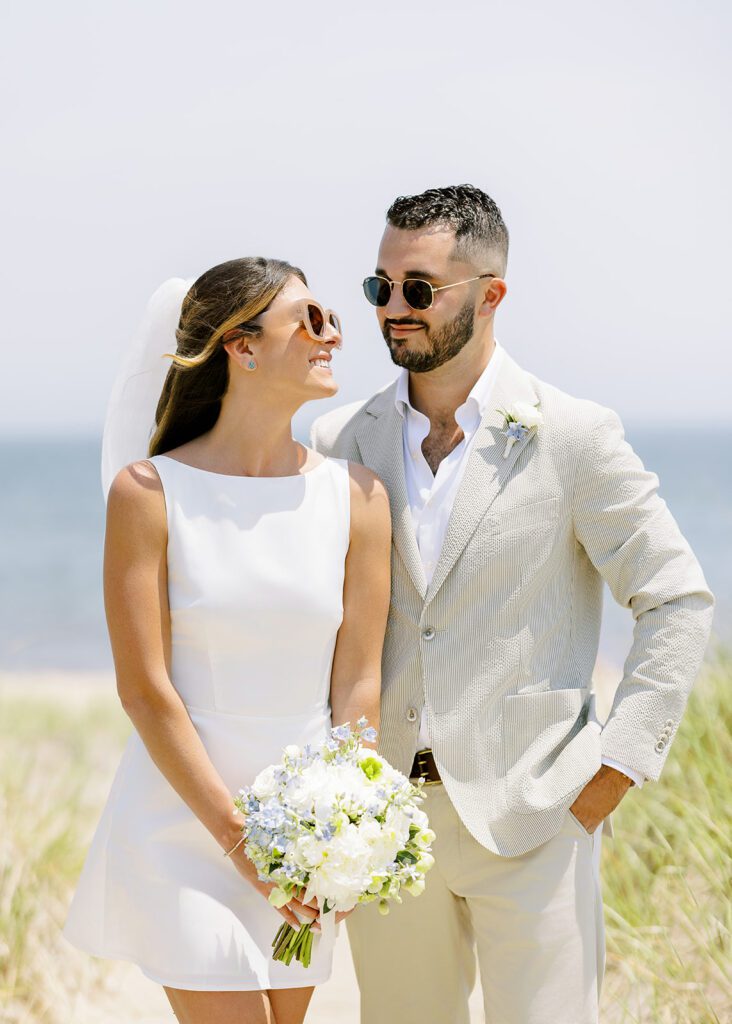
[[417, 293]]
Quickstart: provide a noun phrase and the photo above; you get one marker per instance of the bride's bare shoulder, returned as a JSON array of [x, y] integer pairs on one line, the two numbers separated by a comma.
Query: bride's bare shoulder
[[135, 486], [369, 497]]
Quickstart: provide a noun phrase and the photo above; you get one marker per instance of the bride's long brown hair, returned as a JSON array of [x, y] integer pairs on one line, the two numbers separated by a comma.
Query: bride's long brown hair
[[226, 296]]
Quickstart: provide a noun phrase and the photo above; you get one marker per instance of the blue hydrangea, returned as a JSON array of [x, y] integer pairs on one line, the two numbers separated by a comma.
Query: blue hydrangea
[[516, 430]]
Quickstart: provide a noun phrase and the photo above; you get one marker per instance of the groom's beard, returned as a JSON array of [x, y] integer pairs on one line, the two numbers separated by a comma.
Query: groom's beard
[[443, 344]]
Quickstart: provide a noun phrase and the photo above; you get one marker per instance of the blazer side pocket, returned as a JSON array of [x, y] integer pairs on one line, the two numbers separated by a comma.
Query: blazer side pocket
[[550, 751]]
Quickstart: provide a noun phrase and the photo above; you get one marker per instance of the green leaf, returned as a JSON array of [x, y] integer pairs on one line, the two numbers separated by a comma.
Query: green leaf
[[278, 897]]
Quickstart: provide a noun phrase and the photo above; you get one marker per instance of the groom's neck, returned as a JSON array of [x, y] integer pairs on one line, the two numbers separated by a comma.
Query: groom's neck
[[439, 393]]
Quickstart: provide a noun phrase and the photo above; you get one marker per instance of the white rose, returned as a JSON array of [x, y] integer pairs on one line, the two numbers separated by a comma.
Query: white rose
[[265, 785], [526, 414]]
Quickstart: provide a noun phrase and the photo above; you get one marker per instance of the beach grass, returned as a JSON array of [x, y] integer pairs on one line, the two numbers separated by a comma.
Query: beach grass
[[666, 875], [57, 758]]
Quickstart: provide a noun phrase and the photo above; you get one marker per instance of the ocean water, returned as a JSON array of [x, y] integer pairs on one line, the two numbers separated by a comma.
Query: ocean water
[[52, 534]]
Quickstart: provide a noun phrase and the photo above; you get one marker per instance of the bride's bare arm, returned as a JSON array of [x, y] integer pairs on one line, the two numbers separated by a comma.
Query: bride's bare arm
[[138, 618], [356, 675]]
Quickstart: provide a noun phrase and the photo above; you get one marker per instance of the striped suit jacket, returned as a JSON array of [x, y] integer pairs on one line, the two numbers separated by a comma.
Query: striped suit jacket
[[500, 647]]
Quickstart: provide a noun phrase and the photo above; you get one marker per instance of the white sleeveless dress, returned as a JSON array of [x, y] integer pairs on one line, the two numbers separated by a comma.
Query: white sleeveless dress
[[255, 583]]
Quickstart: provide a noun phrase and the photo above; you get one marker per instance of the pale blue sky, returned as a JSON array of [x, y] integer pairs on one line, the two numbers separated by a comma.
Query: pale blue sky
[[145, 140]]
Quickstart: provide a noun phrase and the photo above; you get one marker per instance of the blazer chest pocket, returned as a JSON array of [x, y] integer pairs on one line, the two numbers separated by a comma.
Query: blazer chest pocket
[[550, 750], [520, 541]]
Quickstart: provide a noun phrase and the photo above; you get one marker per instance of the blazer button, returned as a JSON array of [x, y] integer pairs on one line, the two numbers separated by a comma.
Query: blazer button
[[660, 747], [412, 715], [428, 634], [669, 724]]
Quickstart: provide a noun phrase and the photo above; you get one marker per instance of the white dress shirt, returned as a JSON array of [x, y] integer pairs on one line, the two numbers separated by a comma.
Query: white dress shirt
[[432, 496]]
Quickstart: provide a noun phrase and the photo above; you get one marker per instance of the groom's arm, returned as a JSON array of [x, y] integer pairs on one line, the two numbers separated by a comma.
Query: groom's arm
[[630, 537]]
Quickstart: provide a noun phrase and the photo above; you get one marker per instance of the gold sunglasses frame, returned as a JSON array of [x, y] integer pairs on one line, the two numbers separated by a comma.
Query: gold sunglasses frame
[[421, 280]]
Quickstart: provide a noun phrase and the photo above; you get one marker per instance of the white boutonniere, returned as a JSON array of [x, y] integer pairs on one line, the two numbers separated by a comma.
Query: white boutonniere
[[519, 420]]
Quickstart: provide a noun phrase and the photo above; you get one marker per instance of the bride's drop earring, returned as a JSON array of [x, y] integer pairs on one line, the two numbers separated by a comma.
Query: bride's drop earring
[[251, 364]]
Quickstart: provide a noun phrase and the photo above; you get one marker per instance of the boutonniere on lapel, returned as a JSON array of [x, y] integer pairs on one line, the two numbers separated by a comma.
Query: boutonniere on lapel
[[519, 420]]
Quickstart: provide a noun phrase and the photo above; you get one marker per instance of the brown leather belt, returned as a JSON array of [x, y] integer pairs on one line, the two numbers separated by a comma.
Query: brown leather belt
[[424, 767]]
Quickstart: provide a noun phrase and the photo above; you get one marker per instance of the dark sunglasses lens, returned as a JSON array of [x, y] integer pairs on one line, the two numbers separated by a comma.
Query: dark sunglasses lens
[[417, 294], [317, 322], [377, 290], [334, 322]]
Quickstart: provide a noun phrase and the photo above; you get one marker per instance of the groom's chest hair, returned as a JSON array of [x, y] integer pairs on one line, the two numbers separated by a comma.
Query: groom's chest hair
[[444, 436]]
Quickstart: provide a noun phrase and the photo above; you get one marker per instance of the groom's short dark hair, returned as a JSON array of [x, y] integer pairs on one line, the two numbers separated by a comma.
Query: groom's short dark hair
[[471, 213]]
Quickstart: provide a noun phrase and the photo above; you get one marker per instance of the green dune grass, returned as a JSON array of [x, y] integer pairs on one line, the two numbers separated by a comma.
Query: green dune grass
[[668, 901], [667, 876], [57, 759]]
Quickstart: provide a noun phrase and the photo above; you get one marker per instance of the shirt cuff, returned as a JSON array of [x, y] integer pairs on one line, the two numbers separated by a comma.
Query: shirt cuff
[[632, 775]]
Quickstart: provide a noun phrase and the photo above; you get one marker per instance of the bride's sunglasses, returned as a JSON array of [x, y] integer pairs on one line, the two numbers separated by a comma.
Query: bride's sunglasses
[[417, 293], [316, 320]]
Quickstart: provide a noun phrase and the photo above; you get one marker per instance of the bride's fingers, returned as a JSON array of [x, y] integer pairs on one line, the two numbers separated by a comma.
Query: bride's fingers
[[304, 909], [301, 916], [298, 895], [289, 917]]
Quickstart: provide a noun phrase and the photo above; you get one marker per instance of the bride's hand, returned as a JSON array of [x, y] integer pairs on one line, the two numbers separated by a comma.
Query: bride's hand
[[307, 911]]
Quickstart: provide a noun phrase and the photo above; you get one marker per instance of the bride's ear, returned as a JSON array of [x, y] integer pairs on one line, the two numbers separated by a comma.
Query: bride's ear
[[236, 343]]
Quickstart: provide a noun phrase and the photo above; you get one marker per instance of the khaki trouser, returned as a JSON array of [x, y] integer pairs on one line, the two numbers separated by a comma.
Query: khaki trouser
[[535, 922]]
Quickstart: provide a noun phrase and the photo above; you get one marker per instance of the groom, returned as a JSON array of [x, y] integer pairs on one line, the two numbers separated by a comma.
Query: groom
[[511, 503]]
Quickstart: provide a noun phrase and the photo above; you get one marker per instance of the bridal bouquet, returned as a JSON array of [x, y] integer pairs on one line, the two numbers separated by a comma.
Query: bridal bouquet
[[336, 823]]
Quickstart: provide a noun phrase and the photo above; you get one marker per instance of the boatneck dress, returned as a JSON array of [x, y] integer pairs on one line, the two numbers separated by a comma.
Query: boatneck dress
[[255, 582]]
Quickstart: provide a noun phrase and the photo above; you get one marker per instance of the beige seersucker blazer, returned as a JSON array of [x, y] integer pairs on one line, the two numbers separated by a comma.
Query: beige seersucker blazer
[[500, 648]]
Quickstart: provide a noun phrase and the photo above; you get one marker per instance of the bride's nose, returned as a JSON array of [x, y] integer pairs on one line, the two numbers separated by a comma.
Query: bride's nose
[[333, 336]]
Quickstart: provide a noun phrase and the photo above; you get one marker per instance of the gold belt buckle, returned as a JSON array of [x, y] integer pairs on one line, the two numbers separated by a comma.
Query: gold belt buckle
[[422, 766]]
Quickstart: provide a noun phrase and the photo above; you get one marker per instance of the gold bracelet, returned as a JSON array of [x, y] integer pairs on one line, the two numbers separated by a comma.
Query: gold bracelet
[[235, 846]]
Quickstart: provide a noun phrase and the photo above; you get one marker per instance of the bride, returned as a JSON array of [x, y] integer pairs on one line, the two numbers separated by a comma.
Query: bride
[[246, 583]]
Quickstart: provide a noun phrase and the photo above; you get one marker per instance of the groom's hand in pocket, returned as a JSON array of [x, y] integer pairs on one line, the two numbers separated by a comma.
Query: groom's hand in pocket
[[601, 795]]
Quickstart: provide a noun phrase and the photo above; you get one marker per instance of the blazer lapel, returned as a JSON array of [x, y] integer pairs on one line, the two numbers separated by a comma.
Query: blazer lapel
[[379, 439], [486, 471]]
